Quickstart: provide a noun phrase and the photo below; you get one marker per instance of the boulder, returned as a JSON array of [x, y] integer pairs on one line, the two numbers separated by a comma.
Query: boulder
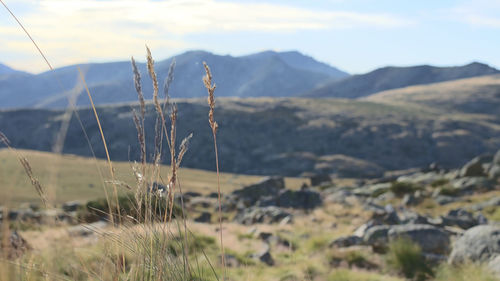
[[496, 158], [254, 215], [474, 168], [346, 241], [431, 239], [270, 186], [320, 179], [204, 217], [231, 261], [471, 184], [460, 218], [301, 199], [377, 237], [201, 202], [445, 200], [494, 172], [480, 243], [71, 206], [410, 217], [265, 256]]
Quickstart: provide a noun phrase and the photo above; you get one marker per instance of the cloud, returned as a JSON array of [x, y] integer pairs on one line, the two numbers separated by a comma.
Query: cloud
[[478, 13], [76, 30]]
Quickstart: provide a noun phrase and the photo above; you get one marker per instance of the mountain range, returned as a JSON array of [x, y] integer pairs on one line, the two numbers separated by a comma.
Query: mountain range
[[269, 73], [387, 78]]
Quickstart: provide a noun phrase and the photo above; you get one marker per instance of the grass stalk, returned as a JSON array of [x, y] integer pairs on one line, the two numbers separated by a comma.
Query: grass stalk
[[207, 81]]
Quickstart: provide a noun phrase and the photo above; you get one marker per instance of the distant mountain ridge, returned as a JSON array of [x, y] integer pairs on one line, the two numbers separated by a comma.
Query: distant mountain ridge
[[388, 78], [5, 70], [274, 74]]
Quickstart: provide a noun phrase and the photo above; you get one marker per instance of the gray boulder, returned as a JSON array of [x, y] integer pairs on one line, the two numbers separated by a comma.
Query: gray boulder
[[494, 172], [377, 237], [265, 256], [480, 243], [471, 184], [496, 158], [254, 215], [445, 199], [71, 206], [320, 179], [270, 186], [460, 218], [474, 168], [346, 241], [301, 199], [204, 217], [431, 239]]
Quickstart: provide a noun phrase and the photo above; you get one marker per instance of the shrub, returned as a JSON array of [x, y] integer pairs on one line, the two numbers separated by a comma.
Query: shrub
[[98, 209], [464, 272], [449, 191], [402, 188], [406, 257], [439, 182]]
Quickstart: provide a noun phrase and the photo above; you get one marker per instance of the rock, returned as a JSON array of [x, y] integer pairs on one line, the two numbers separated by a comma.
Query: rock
[[286, 220], [84, 230], [377, 237], [254, 215], [372, 190], [460, 218], [496, 158], [410, 200], [320, 179], [231, 261], [494, 172], [192, 194], [270, 186], [205, 217], [346, 241], [71, 206], [265, 256], [213, 195], [15, 245], [410, 217], [202, 202], [473, 168], [493, 202], [478, 244], [339, 197], [471, 184], [301, 199], [494, 265], [421, 178], [444, 199], [431, 239], [388, 216]]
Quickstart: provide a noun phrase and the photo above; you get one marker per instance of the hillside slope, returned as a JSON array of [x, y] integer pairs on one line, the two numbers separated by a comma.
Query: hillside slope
[[396, 77], [290, 136]]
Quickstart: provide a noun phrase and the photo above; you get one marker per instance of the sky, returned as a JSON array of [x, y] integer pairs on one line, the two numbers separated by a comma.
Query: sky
[[354, 35]]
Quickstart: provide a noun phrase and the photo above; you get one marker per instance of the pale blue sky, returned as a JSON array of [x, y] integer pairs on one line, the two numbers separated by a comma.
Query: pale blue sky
[[354, 35]]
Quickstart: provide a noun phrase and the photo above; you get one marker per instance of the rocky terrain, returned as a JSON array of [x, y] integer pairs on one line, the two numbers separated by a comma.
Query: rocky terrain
[[446, 123], [452, 215]]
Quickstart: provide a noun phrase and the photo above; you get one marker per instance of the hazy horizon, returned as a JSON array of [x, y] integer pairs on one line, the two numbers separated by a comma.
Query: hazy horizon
[[354, 36]]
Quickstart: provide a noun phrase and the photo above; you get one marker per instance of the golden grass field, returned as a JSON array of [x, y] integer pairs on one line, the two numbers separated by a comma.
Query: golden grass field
[[78, 178]]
